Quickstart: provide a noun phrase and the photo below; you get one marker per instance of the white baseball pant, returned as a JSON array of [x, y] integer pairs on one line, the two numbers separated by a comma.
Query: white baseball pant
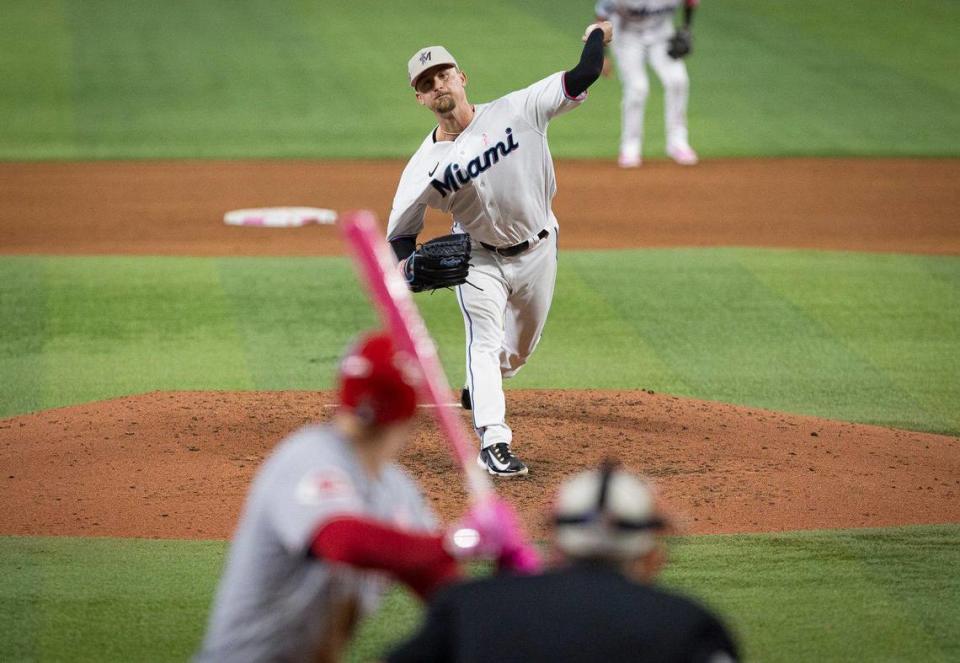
[[503, 319], [632, 54]]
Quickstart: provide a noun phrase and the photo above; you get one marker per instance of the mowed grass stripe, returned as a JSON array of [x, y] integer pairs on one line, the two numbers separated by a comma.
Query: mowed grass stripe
[[296, 315], [146, 70], [104, 599], [248, 79], [191, 85], [588, 341], [22, 334], [885, 36], [905, 322], [38, 79], [293, 317], [805, 47], [732, 338], [117, 326], [376, 77], [760, 328], [917, 594], [831, 595]]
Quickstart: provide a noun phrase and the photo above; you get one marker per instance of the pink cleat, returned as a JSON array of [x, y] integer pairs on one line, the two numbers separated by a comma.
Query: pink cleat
[[683, 155], [629, 160]]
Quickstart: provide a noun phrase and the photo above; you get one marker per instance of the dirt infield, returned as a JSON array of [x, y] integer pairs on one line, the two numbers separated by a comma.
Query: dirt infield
[[176, 208], [178, 464]]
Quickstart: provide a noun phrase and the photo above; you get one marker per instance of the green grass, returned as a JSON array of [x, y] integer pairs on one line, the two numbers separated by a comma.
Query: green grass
[[859, 337], [869, 595], [880, 595], [104, 599], [851, 336], [317, 78]]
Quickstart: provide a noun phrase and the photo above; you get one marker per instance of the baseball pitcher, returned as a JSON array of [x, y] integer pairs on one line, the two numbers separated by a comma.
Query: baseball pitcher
[[489, 166]]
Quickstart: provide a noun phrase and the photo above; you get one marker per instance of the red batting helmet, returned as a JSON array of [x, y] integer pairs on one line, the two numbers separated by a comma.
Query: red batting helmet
[[378, 382]]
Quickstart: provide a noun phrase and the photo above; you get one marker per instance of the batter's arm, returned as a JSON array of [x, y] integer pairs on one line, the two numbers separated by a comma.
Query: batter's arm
[[418, 560]]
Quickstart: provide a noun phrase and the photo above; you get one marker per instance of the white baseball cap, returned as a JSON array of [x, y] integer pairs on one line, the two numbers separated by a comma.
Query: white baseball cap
[[607, 514], [429, 56]]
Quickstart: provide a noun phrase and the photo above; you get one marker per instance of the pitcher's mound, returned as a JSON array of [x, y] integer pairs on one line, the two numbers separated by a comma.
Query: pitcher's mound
[[178, 464]]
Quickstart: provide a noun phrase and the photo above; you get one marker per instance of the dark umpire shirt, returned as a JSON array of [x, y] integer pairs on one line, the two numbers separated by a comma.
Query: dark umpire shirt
[[580, 614]]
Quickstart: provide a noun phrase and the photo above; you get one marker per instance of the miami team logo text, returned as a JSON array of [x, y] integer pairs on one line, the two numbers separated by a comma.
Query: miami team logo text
[[454, 177]]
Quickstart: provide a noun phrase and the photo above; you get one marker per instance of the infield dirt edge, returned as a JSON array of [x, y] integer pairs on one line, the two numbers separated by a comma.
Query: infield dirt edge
[[178, 464]]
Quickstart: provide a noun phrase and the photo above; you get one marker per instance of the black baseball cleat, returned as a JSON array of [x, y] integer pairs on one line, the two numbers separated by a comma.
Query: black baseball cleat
[[465, 402], [498, 460]]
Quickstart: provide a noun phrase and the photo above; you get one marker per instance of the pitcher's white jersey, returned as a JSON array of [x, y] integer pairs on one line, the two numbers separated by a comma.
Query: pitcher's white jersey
[[497, 181], [651, 20], [496, 178]]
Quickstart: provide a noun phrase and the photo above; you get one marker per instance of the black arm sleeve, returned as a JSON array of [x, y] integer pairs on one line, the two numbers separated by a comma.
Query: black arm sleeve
[[404, 246], [588, 69]]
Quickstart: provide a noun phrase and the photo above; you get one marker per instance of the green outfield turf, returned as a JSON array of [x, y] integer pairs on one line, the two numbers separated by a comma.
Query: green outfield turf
[[852, 336], [877, 595], [860, 337], [319, 78]]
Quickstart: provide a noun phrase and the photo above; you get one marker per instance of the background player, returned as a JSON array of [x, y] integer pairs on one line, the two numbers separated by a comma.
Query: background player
[[490, 167], [598, 606], [328, 516], [645, 33]]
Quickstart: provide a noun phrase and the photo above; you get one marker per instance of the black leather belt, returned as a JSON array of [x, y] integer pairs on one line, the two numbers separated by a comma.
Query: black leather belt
[[516, 249]]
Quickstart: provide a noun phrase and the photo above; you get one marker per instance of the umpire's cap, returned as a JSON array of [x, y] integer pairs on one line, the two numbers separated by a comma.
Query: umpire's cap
[[377, 381], [606, 513]]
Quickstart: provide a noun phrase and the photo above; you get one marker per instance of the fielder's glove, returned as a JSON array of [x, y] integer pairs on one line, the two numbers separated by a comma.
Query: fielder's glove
[[442, 262], [680, 44]]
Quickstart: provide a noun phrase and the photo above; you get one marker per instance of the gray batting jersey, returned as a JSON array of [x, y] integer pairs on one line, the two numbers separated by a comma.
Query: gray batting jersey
[[496, 178], [274, 600], [651, 19]]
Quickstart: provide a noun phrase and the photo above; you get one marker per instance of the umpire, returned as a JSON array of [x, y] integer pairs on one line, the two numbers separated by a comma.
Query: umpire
[[598, 605]]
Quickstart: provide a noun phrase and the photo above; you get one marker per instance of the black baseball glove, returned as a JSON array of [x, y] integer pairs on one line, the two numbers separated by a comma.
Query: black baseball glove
[[442, 262], [680, 44]]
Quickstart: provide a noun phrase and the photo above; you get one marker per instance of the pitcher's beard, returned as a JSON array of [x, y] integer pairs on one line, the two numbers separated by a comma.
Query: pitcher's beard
[[445, 104]]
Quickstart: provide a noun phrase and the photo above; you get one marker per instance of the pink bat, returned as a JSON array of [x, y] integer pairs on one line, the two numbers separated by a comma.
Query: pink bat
[[379, 271]]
